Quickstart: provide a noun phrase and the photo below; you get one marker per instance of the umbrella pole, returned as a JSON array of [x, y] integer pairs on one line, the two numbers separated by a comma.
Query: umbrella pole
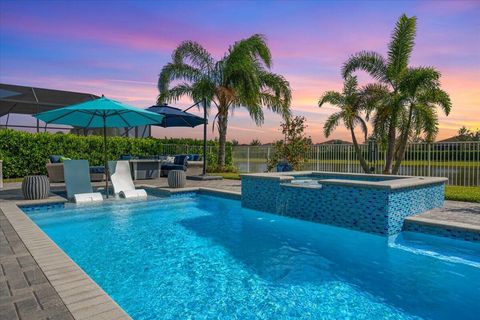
[[204, 169], [105, 153]]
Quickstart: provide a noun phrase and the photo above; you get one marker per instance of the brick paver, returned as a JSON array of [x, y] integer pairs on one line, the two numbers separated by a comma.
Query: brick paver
[[455, 211], [25, 292]]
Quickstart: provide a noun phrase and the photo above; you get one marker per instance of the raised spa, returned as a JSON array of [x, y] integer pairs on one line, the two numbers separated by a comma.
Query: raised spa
[[371, 203]]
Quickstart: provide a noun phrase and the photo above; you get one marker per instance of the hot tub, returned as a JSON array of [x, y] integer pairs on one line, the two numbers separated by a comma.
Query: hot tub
[[371, 203]]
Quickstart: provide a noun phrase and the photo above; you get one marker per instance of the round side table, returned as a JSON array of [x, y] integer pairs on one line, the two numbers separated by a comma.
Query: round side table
[[35, 187], [177, 178]]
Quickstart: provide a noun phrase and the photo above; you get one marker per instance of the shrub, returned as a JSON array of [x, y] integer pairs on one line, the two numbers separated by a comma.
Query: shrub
[[25, 153], [293, 148]]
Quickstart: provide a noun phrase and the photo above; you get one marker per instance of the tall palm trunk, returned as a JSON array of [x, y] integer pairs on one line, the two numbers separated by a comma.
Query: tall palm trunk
[[222, 137], [392, 134], [403, 142], [363, 163]]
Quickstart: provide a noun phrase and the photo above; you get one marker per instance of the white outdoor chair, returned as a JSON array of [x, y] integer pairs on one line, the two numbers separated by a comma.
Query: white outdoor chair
[[122, 180], [77, 182]]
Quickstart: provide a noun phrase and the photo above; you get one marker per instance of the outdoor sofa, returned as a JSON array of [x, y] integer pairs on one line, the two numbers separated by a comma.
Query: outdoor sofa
[[55, 170], [146, 167]]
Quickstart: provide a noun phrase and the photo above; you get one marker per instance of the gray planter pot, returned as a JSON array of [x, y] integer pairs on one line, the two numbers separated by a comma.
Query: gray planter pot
[[177, 179], [35, 187]]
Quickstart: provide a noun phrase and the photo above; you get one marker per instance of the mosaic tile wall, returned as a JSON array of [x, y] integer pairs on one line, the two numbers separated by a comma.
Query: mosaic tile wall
[[373, 210], [460, 234], [260, 194], [410, 201]]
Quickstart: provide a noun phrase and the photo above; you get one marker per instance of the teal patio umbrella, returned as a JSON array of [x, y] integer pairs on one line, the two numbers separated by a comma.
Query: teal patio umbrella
[[101, 113]]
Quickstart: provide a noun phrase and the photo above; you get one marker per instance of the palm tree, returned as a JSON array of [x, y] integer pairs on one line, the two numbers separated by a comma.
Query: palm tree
[[421, 95], [351, 103], [240, 79], [397, 113]]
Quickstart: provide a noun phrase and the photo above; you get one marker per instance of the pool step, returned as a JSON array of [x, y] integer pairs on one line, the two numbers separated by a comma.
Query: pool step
[[443, 228], [443, 248]]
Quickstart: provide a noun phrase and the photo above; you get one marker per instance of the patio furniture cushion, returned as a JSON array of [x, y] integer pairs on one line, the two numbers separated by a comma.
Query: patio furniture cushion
[[55, 158], [284, 167], [97, 169], [126, 157], [181, 160]]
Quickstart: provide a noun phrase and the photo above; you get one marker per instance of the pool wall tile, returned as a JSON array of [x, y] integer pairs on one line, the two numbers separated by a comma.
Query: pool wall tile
[[374, 210]]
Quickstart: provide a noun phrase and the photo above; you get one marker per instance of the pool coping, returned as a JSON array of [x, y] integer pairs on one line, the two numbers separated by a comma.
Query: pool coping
[[393, 183], [82, 296]]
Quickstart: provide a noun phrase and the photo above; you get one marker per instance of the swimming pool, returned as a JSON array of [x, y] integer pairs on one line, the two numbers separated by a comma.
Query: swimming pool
[[198, 256]]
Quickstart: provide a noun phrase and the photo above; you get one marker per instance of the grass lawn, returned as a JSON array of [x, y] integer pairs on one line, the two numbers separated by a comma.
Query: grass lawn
[[6, 180], [458, 193]]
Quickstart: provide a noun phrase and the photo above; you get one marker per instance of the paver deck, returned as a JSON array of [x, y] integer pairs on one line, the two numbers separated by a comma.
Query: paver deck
[[454, 214], [25, 292]]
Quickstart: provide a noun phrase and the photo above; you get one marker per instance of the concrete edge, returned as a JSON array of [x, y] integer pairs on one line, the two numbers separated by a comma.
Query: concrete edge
[[82, 296], [221, 193], [201, 190], [444, 224], [395, 181]]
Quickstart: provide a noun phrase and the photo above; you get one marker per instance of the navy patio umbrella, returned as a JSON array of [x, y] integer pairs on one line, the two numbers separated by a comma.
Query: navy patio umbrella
[[175, 117]]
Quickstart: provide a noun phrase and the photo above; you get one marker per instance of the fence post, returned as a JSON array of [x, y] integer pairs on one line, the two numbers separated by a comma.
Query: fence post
[[429, 159], [248, 159]]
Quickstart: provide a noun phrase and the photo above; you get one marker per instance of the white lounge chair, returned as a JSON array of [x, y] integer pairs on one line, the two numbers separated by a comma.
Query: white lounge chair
[[77, 182], [122, 180]]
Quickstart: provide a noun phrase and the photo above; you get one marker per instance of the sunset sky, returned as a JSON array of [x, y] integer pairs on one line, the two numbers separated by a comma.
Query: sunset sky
[[117, 48]]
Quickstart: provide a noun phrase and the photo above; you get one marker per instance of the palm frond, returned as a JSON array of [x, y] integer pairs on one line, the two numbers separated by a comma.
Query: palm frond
[[333, 97], [368, 61], [438, 97], [401, 46], [426, 120], [373, 96], [331, 123], [416, 79], [277, 89], [194, 53], [255, 47], [174, 71], [175, 93], [350, 85]]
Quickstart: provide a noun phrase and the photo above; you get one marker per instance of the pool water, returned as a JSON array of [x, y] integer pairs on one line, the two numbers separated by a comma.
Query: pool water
[[203, 257]]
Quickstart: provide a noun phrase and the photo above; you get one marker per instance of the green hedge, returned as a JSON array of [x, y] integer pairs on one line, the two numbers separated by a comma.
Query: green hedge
[[25, 153]]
